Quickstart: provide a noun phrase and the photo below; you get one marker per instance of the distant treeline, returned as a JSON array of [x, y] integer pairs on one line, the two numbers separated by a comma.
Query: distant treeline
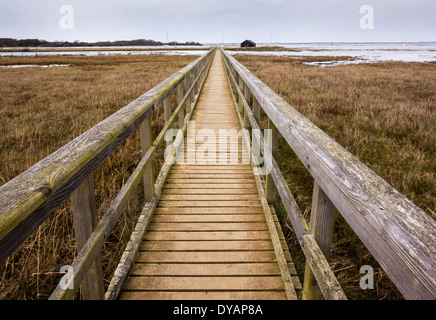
[[8, 42]]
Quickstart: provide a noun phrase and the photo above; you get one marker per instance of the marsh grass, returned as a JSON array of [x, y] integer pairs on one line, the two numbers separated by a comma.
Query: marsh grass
[[382, 113], [43, 109]]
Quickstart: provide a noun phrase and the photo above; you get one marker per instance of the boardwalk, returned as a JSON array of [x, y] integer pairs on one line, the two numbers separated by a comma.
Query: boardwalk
[[209, 238], [208, 228]]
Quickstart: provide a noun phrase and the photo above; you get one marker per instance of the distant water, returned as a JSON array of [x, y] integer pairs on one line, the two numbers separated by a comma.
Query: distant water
[[360, 52], [52, 52]]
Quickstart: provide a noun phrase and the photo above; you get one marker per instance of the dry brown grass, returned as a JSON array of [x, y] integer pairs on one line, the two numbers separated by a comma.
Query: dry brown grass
[[43, 109], [385, 115]]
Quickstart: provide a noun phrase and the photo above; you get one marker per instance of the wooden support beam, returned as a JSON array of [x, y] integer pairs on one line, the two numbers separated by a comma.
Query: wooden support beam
[[191, 81], [256, 110], [321, 225], [146, 142], [85, 221], [386, 221], [180, 94], [330, 287], [246, 123], [167, 109], [241, 87], [187, 87], [271, 190]]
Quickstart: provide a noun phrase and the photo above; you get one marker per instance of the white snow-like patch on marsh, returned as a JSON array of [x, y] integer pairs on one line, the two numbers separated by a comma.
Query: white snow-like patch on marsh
[[34, 66]]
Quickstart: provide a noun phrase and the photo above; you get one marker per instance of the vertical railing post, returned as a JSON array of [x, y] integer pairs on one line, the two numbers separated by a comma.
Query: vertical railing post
[[85, 220], [180, 94], [242, 88], [192, 79], [321, 225], [247, 98], [188, 100], [146, 142], [256, 110], [167, 109], [195, 77], [270, 188]]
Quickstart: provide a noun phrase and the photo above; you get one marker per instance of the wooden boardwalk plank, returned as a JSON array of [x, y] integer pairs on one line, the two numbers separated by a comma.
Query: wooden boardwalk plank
[[274, 283], [208, 210], [214, 197], [215, 191], [209, 218], [209, 226], [222, 269], [204, 295], [205, 257], [209, 238], [207, 245]]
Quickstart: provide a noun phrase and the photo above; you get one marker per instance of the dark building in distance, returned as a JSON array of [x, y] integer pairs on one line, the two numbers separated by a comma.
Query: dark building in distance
[[248, 44]]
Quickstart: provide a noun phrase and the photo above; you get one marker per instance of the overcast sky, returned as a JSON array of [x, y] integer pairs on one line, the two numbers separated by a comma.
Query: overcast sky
[[210, 21]]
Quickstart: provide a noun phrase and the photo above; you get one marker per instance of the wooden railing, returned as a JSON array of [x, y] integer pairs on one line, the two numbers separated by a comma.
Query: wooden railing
[[29, 199], [400, 236]]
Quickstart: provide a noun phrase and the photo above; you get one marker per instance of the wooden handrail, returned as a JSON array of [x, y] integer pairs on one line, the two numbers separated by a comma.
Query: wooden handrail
[[28, 200], [329, 285], [398, 234], [95, 242]]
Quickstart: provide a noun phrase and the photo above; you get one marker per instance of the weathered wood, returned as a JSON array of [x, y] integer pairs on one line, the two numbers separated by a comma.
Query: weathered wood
[[29, 199], [92, 247], [197, 246], [256, 110], [270, 187], [208, 226], [397, 233], [240, 97], [215, 269], [209, 218], [85, 220], [146, 142], [210, 197], [246, 123], [133, 246], [196, 228], [323, 271], [278, 250], [208, 210], [188, 99], [205, 283], [321, 224], [203, 295]]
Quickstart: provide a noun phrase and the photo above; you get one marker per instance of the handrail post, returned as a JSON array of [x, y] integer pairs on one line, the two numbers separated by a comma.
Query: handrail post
[[180, 94], [256, 110], [195, 77], [85, 221], [270, 187], [191, 81], [188, 100], [167, 111], [321, 225], [241, 87], [146, 142], [247, 98], [167, 108]]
